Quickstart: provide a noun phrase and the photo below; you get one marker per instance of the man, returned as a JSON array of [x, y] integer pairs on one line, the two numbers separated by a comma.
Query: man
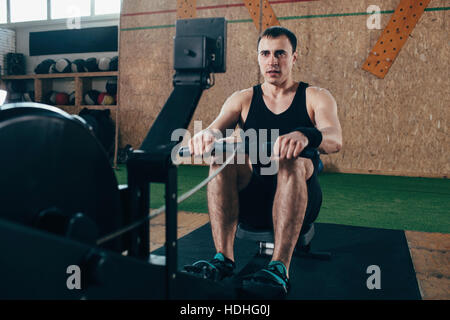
[[290, 200]]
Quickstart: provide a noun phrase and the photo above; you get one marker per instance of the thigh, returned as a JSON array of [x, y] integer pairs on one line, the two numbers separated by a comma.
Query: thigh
[[256, 202], [240, 165]]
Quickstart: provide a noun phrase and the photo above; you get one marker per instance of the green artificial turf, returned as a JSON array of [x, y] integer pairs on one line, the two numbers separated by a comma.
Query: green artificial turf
[[386, 202], [390, 202]]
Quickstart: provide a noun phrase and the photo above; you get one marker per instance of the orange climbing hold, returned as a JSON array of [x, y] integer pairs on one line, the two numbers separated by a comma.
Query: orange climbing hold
[[394, 36], [262, 14]]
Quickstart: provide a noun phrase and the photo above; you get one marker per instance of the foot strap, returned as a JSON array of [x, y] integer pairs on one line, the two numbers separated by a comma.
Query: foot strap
[[216, 269], [269, 282]]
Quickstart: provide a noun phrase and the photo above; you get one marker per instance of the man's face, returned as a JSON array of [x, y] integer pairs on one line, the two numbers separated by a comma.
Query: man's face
[[276, 59]]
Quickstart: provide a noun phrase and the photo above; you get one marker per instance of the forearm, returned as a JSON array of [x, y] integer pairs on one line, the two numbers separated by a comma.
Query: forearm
[[222, 125], [214, 130], [221, 134], [331, 140]]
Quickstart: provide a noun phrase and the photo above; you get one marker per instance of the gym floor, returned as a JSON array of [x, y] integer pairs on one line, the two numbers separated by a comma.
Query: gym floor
[[419, 206]]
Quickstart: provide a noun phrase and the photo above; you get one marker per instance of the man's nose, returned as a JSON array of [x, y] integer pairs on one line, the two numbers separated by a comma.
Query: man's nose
[[273, 59]]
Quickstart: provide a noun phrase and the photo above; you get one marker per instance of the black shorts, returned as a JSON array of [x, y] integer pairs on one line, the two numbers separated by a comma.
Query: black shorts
[[256, 200]]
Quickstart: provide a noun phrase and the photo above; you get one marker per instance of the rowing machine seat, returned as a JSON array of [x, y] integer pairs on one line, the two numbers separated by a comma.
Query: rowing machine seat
[[265, 240]]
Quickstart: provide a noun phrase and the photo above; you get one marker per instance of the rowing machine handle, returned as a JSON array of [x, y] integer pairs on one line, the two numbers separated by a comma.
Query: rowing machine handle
[[224, 147]]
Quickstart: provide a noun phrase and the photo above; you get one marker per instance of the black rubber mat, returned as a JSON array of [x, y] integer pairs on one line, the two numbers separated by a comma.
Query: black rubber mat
[[344, 277]]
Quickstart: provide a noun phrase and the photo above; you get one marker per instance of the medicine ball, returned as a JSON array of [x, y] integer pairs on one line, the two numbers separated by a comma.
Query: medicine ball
[[103, 63], [78, 65], [28, 96], [105, 99], [50, 98], [62, 98], [91, 97], [45, 66], [72, 98], [14, 63], [63, 65], [111, 86], [114, 64], [91, 64]]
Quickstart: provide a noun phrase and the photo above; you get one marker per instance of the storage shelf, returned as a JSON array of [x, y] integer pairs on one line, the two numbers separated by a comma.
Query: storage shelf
[[93, 106], [62, 75], [43, 83], [99, 106]]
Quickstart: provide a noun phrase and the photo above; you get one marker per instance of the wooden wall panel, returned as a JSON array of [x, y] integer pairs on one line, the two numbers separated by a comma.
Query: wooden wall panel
[[397, 125]]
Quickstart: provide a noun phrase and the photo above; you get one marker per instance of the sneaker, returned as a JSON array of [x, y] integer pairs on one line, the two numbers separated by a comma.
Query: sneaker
[[216, 269], [270, 282]]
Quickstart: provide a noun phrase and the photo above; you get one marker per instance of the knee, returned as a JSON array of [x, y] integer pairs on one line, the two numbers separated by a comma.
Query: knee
[[235, 166], [228, 170], [299, 167], [237, 171]]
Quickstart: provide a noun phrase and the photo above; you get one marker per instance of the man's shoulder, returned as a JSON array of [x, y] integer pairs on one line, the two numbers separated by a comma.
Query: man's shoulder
[[242, 95], [316, 92], [317, 96], [245, 92]]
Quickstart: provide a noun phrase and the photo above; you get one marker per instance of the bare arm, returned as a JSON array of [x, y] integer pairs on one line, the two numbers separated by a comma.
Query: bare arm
[[229, 114], [326, 120], [227, 119]]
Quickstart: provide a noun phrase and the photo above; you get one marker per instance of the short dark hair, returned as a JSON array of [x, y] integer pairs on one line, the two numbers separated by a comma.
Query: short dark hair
[[277, 31]]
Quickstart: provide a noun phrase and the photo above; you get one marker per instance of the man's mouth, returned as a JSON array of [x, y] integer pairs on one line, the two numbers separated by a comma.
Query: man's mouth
[[273, 72]]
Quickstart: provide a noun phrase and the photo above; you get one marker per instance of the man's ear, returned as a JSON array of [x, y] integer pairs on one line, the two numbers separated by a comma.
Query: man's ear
[[294, 55]]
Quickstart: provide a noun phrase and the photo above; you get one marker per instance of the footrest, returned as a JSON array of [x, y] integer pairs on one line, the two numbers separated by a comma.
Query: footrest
[[266, 235], [319, 255], [249, 233]]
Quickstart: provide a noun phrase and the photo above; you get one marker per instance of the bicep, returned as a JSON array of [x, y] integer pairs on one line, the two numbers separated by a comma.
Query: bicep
[[229, 114], [325, 111]]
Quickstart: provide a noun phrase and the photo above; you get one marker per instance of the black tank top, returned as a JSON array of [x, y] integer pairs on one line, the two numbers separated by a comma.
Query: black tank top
[[260, 117]]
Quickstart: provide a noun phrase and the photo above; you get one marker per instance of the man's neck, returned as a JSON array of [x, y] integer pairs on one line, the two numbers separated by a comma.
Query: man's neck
[[276, 90]]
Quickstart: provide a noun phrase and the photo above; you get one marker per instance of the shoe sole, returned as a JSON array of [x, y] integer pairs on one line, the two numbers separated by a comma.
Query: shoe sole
[[263, 290]]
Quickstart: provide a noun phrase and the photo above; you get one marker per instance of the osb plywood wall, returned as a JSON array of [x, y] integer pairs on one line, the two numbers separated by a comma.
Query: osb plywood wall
[[396, 125]]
